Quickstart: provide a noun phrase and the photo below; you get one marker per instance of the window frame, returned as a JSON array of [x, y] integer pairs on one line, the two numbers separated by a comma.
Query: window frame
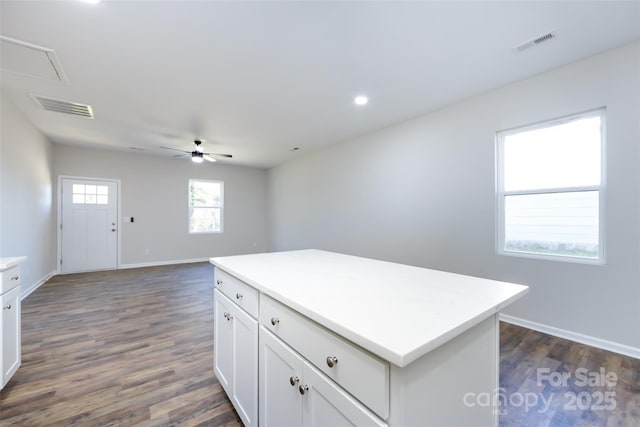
[[190, 207], [501, 194]]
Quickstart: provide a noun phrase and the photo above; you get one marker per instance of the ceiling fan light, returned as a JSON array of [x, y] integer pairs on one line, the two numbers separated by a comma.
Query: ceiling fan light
[[196, 157]]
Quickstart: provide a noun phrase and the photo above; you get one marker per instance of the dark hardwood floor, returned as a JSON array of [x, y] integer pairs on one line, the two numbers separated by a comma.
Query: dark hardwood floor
[[119, 348], [134, 347], [550, 381]]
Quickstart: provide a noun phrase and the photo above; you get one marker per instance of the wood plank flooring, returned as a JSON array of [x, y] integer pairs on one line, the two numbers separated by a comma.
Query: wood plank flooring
[[549, 381], [119, 348], [134, 347]]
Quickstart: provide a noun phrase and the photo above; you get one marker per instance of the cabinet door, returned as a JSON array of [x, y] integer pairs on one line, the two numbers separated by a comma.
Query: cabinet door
[[223, 341], [326, 404], [280, 379], [245, 366], [11, 340]]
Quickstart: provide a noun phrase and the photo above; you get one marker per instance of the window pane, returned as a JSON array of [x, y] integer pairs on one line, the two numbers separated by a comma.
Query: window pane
[[564, 155], [78, 198], [555, 223], [204, 220], [90, 189], [204, 193], [90, 199], [103, 189], [78, 189], [103, 200]]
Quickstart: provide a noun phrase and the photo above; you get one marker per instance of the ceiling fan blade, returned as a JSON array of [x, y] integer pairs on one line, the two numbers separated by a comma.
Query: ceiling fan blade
[[229, 156], [175, 149], [179, 155], [209, 158]]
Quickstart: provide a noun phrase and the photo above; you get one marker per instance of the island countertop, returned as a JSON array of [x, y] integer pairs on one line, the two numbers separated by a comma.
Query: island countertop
[[397, 312]]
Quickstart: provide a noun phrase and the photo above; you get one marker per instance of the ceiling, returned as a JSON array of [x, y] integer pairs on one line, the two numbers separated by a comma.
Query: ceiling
[[255, 79]]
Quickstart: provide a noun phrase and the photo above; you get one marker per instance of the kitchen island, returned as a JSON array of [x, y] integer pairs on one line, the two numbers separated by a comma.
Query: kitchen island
[[318, 338]]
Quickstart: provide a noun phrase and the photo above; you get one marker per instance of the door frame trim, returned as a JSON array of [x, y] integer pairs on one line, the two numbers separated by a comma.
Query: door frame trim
[[59, 216]]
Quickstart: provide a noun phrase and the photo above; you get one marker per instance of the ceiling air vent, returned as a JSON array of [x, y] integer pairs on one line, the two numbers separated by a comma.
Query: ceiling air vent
[[535, 42], [61, 106]]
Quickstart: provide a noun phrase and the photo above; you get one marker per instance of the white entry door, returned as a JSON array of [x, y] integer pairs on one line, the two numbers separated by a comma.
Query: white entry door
[[89, 225]]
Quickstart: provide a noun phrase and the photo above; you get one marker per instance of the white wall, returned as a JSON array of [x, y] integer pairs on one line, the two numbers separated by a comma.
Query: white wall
[[423, 193], [154, 192], [26, 216]]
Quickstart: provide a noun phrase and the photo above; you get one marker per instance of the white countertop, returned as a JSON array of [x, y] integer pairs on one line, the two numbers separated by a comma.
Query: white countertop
[[397, 312], [6, 263]]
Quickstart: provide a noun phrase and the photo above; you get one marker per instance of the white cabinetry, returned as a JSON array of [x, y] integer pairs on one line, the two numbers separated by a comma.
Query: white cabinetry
[[10, 330], [236, 347], [351, 341], [294, 393]]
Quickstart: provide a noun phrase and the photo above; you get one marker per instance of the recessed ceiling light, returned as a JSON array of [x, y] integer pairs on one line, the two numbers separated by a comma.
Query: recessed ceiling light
[[91, 1], [361, 100]]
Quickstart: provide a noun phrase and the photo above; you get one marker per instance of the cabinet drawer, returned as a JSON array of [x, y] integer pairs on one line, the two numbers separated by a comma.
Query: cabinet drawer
[[363, 375], [237, 291], [10, 279]]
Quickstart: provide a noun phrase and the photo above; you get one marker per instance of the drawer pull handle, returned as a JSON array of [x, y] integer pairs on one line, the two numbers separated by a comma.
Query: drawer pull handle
[[294, 381], [7, 307], [274, 321], [332, 361], [238, 296], [15, 277], [303, 389], [227, 316], [219, 282]]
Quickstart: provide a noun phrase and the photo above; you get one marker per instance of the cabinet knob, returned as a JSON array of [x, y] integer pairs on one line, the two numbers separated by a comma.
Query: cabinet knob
[[332, 361], [294, 381], [219, 282], [275, 321], [227, 316], [15, 277], [238, 296], [7, 307], [303, 389]]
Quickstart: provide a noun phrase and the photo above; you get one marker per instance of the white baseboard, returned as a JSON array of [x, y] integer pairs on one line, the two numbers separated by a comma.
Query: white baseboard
[[574, 336], [157, 263], [28, 291]]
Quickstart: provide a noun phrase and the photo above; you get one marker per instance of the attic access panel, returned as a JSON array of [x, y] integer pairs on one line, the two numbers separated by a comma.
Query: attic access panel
[[30, 60]]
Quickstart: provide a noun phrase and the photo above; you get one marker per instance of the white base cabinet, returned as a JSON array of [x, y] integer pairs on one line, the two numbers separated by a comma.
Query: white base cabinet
[[294, 393], [10, 326], [348, 341], [236, 357]]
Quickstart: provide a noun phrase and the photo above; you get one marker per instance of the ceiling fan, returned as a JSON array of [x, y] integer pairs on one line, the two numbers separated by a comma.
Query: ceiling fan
[[198, 155]]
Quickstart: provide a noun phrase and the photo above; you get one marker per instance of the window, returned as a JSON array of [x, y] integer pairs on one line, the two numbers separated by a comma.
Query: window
[[90, 194], [205, 206], [550, 189]]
